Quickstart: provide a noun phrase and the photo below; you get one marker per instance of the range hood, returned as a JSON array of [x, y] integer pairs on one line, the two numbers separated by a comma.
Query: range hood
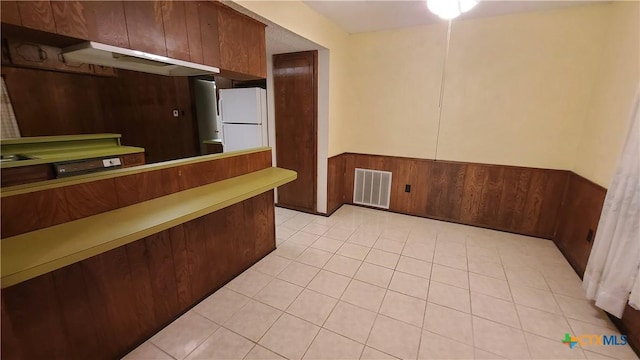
[[106, 55]]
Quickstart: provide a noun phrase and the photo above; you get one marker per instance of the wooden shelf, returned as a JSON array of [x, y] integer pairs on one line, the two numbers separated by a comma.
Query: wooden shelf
[[32, 254]]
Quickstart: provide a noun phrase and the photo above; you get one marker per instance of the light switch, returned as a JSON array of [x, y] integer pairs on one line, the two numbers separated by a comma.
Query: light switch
[[176, 113]]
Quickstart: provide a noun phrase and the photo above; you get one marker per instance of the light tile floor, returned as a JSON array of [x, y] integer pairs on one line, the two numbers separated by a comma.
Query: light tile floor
[[367, 284]]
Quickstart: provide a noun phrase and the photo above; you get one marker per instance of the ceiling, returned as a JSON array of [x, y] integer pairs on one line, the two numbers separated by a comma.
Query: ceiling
[[371, 15]]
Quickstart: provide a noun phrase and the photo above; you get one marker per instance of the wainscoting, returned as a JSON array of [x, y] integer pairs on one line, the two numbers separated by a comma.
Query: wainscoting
[[552, 204], [515, 199]]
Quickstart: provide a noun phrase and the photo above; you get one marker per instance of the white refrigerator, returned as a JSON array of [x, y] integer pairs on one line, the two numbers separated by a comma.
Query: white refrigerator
[[243, 113]]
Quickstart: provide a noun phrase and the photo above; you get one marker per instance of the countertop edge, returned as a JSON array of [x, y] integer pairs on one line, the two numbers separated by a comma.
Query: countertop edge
[[276, 177]]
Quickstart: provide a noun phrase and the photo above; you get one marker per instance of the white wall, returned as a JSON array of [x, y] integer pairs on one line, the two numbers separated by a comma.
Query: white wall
[[517, 88], [618, 79]]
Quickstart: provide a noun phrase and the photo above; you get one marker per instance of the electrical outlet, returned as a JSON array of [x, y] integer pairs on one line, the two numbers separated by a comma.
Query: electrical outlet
[[176, 113], [407, 188]]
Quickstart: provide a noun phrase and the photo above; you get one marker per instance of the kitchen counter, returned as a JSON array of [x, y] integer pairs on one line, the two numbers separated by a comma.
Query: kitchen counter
[[50, 149], [32, 254]]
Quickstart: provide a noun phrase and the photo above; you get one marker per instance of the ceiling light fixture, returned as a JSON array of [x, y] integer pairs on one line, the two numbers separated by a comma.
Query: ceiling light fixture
[[450, 9]]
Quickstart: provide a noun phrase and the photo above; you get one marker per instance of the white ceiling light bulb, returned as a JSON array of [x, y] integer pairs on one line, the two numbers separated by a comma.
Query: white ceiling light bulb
[[449, 9], [466, 5]]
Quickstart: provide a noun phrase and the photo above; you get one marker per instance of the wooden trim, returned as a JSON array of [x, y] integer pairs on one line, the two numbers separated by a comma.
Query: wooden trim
[[295, 208]]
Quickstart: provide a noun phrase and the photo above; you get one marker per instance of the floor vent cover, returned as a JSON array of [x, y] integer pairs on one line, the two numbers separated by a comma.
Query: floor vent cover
[[372, 188]]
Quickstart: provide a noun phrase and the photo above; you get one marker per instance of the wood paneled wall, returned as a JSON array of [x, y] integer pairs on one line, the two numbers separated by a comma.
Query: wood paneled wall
[[104, 306], [515, 199], [36, 210], [579, 216], [137, 105], [336, 179]]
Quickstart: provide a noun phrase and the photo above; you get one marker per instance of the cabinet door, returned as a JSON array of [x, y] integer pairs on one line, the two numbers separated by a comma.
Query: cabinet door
[[144, 26], [234, 49], [257, 50], [175, 29], [209, 33], [9, 12], [37, 15], [192, 15], [70, 19], [106, 22]]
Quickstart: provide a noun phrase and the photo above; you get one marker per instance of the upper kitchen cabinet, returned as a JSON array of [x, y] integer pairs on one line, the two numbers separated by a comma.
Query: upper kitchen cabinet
[[145, 26], [242, 45], [70, 19], [175, 29], [209, 33], [106, 22], [194, 38], [37, 15], [10, 13]]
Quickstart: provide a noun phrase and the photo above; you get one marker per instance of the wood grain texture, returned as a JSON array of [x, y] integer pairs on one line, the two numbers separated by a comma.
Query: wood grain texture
[[445, 189], [580, 212], [175, 29], [233, 31], [26, 174], [76, 312], [70, 18], [336, 175], [36, 317], [10, 13], [113, 300], [295, 82], [37, 15], [192, 18], [136, 105], [133, 160], [91, 198], [17, 215], [104, 306], [106, 22], [515, 199], [181, 263], [10, 348], [209, 33], [144, 26]]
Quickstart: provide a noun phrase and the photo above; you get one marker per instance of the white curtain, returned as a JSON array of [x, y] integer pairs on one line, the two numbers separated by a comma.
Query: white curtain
[[612, 277], [9, 125]]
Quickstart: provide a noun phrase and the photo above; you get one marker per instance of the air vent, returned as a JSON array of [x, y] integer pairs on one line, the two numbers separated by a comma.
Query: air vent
[[372, 188]]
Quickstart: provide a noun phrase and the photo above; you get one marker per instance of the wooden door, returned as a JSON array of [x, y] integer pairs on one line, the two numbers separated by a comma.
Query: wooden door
[[295, 83]]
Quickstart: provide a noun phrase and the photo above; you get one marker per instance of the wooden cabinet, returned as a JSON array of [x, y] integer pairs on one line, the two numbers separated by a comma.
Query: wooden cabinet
[[204, 32], [10, 13], [145, 27], [106, 22], [37, 15], [194, 38], [209, 33], [175, 29], [70, 19], [26, 174], [132, 159], [242, 43]]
